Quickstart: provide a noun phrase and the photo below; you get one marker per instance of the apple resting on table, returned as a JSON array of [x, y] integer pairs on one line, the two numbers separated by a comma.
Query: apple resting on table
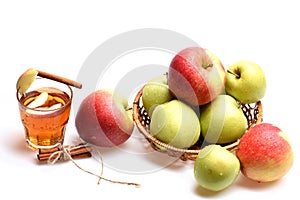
[[196, 76], [265, 153], [216, 168], [104, 119]]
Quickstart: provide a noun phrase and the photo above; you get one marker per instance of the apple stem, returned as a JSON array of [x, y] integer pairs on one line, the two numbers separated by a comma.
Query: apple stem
[[208, 66], [235, 74], [239, 104]]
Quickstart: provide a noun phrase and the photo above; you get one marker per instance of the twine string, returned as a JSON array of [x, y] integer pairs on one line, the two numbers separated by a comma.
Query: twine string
[[64, 154]]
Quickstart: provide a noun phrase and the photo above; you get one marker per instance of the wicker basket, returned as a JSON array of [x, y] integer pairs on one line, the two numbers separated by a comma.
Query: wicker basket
[[253, 113]]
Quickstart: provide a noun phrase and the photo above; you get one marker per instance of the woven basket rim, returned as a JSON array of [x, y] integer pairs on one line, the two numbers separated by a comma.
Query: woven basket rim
[[184, 154]]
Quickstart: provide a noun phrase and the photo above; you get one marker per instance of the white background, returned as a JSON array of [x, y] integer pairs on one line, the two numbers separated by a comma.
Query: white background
[[57, 36]]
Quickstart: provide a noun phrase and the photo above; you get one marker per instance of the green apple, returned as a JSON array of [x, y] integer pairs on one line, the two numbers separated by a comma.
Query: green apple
[[216, 168], [245, 81], [222, 121], [156, 92], [176, 124]]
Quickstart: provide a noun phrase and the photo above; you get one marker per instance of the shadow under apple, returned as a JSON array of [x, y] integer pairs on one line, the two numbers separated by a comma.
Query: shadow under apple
[[244, 182], [200, 191]]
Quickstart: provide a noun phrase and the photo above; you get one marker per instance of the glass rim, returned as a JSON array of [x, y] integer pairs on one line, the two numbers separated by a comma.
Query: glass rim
[[18, 95]]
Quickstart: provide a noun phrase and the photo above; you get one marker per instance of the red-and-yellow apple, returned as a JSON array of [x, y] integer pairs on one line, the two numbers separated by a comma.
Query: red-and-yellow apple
[[104, 119], [265, 153], [196, 76], [246, 81]]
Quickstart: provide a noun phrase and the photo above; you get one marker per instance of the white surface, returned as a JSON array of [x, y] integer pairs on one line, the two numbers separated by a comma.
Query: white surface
[[58, 36]]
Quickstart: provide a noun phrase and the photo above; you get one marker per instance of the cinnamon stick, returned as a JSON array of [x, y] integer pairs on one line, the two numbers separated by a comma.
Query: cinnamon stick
[[43, 157], [75, 153], [59, 79], [48, 150]]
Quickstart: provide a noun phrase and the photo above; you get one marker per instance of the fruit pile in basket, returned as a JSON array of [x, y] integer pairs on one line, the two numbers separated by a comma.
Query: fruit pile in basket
[[198, 111], [197, 103]]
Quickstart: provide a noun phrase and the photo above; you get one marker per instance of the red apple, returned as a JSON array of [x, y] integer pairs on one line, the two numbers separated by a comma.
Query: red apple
[[104, 119], [196, 76], [265, 153]]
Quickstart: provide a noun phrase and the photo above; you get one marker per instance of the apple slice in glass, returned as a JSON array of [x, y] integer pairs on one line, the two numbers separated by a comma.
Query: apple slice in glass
[[39, 101]]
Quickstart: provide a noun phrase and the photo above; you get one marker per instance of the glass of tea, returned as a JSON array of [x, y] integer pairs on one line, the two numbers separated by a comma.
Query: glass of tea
[[44, 111]]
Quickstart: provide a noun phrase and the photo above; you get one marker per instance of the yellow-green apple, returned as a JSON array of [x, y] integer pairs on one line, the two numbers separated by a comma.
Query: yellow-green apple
[[246, 81], [216, 168], [265, 153], [175, 123], [155, 92], [222, 121], [196, 76], [104, 119]]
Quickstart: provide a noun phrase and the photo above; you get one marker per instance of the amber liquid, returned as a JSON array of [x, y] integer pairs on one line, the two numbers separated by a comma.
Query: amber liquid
[[44, 127]]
